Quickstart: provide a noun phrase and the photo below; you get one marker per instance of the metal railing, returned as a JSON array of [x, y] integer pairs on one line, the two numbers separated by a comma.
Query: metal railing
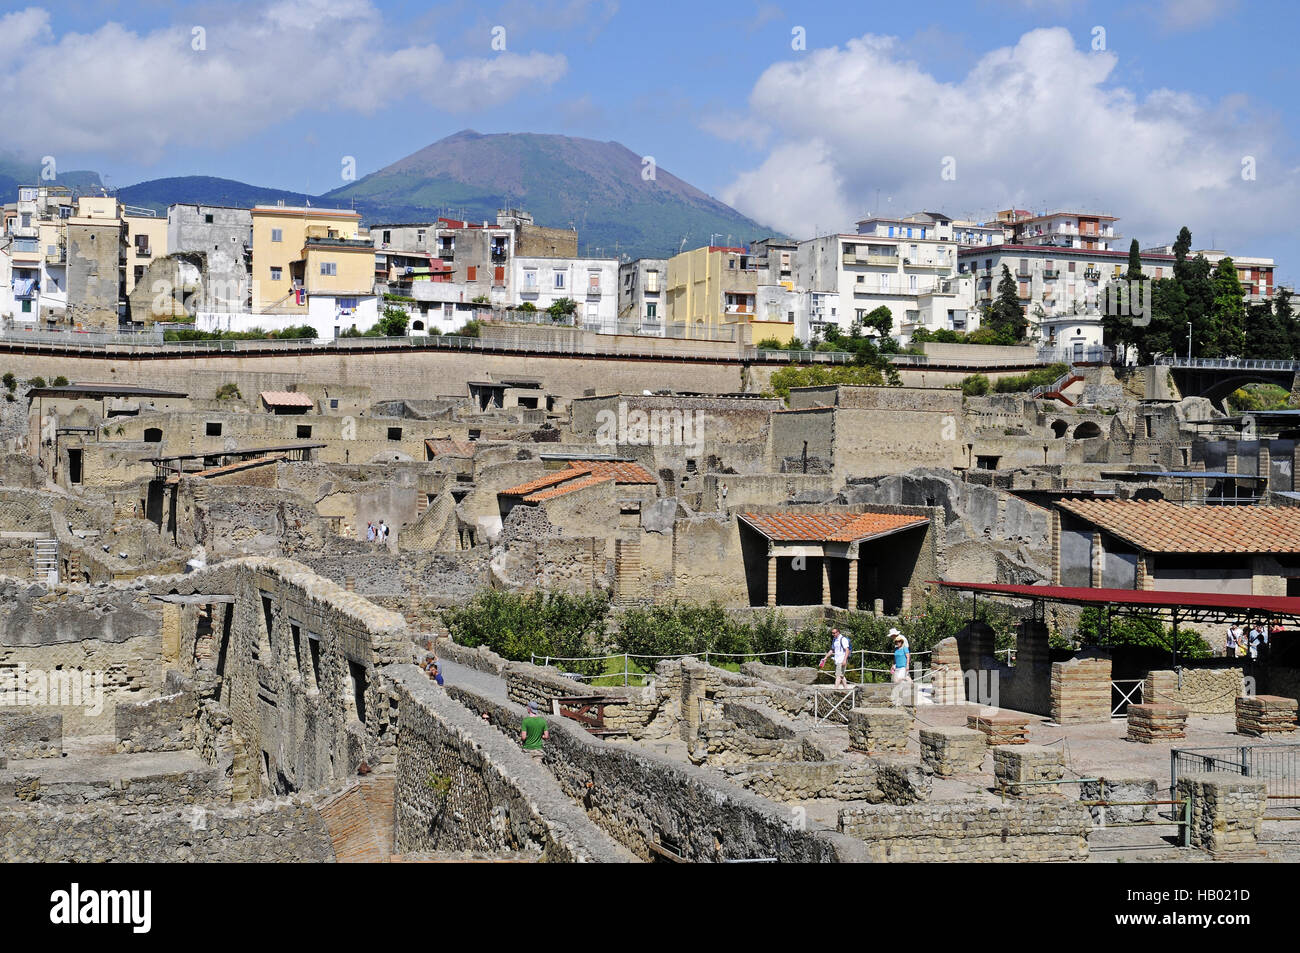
[[1277, 764], [920, 675], [1227, 363], [1127, 696]]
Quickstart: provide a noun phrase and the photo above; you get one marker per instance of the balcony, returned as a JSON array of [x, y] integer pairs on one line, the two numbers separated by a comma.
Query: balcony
[[499, 256], [1051, 272]]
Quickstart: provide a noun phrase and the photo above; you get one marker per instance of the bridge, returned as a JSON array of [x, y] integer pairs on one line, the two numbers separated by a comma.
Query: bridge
[[1217, 377]]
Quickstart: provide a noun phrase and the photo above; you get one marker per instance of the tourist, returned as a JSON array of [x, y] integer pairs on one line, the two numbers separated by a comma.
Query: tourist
[[370, 532], [382, 535], [1258, 639], [533, 731], [1232, 641], [840, 648], [902, 657], [432, 669]]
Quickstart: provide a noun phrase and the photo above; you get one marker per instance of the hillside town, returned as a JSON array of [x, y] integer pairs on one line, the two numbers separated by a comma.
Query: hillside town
[[87, 263]]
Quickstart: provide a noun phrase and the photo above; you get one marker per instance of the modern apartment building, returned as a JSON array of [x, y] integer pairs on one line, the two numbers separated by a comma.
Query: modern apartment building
[[591, 283], [1060, 287], [1255, 274], [299, 251], [1087, 230], [712, 294], [641, 295]]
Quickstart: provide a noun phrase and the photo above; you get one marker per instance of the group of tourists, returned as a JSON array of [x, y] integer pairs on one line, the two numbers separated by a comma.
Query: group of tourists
[[377, 534], [841, 648], [1243, 642]]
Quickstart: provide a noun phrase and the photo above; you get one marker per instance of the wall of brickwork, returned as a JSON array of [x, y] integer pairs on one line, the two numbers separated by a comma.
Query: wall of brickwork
[[276, 831], [1040, 832], [1081, 691], [1227, 811], [1204, 691]]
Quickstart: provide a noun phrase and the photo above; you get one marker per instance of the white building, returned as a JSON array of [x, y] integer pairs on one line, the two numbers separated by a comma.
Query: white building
[[904, 264], [1087, 230], [1059, 287], [592, 283], [1255, 274]]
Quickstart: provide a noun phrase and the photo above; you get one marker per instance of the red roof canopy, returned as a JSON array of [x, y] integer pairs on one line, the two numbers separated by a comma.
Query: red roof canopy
[[1140, 598]]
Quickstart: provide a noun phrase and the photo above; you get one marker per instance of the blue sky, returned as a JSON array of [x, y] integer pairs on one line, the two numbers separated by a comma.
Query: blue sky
[[1152, 119]]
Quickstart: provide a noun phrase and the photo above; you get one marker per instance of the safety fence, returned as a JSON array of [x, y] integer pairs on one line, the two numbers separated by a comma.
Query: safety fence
[[636, 674], [1278, 765]]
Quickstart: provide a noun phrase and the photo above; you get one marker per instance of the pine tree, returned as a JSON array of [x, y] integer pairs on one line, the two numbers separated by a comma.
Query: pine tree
[[1007, 317], [1225, 320]]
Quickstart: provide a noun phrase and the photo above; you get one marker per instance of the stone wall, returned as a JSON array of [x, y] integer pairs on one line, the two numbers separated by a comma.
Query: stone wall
[[1227, 811], [152, 790], [27, 733], [276, 831], [641, 798], [876, 781], [1204, 691], [165, 723], [462, 785], [1081, 691], [1040, 832], [627, 709]]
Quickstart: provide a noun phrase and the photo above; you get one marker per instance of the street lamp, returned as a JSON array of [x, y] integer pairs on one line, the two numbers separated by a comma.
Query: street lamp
[[1189, 342]]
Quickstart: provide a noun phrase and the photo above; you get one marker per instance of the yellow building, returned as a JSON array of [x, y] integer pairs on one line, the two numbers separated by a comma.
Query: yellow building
[[146, 239], [280, 235], [711, 293]]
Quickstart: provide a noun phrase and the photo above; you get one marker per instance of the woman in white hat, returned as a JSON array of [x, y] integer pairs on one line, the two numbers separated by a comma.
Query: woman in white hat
[[902, 656]]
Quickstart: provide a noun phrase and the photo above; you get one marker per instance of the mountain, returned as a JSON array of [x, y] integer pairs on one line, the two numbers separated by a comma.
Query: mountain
[[16, 172], [598, 187], [157, 194]]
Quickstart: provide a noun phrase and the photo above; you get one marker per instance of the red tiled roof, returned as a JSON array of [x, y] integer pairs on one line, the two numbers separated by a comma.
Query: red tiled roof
[[550, 479], [284, 398], [1158, 526], [566, 488], [451, 447], [622, 471], [829, 527]]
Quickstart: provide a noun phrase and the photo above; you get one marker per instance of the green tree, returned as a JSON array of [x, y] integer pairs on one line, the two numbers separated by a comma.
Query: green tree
[[1226, 324], [1007, 317], [561, 308]]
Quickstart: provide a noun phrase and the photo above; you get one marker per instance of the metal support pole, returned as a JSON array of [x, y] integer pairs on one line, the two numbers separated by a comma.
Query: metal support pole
[[625, 670]]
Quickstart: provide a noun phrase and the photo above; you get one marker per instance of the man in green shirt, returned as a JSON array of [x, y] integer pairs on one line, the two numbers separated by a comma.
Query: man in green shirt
[[533, 731]]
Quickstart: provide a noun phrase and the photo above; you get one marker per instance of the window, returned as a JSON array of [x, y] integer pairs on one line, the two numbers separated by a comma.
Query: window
[[530, 279], [394, 433], [651, 311], [304, 430], [593, 281], [559, 280], [498, 275], [388, 237], [471, 273], [911, 283], [347, 305], [213, 429], [862, 279], [651, 281], [207, 219], [152, 435], [334, 403], [277, 235], [884, 282], [329, 268], [276, 273], [419, 236]]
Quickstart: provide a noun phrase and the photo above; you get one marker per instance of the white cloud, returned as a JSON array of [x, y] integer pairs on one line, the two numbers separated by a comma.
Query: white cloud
[[1193, 14], [1034, 125], [138, 94]]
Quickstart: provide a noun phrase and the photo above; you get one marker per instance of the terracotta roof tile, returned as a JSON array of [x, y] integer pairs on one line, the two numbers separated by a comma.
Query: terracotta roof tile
[[451, 447], [549, 479], [564, 488], [791, 526], [284, 398], [622, 471], [1158, 526]]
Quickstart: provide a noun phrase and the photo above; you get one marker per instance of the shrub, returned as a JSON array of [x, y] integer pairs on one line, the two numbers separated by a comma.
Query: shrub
[[471, 329], [806, 376], [37, 382], [518, 625], [9, 380], [975, 385], [60, 381], [229, 391]]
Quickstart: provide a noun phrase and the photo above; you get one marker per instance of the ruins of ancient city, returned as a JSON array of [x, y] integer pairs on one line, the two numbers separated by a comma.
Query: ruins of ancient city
[[230, 574]]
